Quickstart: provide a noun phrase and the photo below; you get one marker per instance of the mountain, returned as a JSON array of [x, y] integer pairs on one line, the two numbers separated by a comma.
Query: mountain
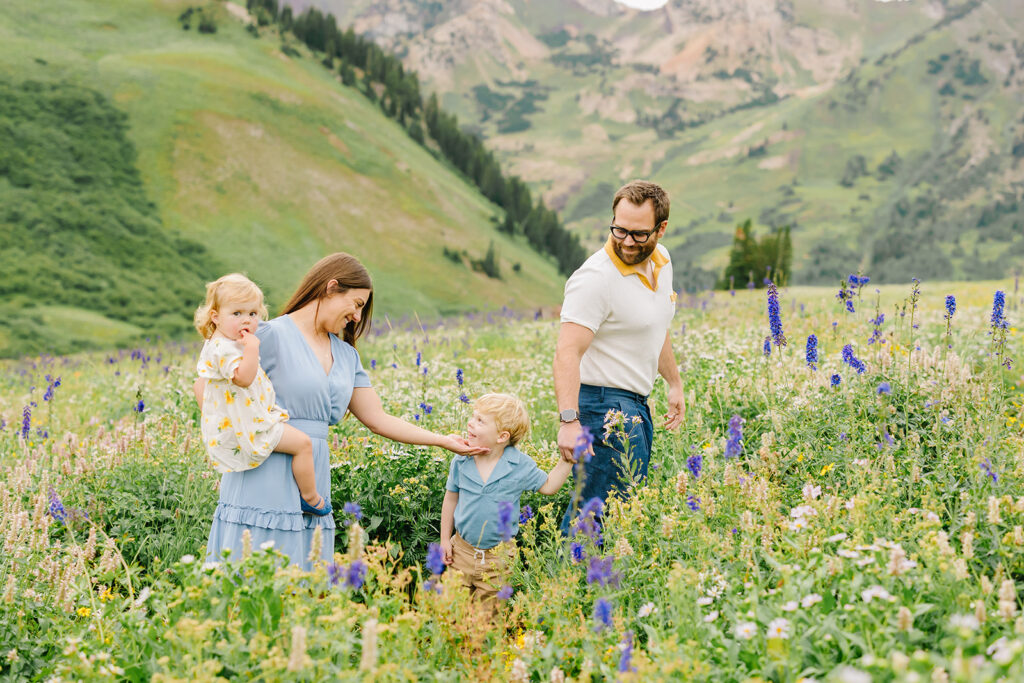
[[139, 159], [888, 134]]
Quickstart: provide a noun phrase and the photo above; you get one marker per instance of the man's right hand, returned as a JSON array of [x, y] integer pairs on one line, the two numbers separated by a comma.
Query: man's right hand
[[568, 435], [446, 552]]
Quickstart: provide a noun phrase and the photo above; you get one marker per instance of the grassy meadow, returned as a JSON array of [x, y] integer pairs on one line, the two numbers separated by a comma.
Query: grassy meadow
[[264, 159], [805, 523]]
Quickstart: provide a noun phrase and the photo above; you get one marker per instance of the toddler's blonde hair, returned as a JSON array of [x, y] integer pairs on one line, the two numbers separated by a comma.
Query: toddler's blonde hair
[[509, 415], [233, 287]]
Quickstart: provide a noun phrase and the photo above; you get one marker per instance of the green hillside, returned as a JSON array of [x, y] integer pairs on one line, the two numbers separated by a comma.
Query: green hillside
[[250, 159], [889, 135]]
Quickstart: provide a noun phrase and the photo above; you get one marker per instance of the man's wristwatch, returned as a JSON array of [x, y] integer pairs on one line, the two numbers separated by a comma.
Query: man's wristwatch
[[568, 415]]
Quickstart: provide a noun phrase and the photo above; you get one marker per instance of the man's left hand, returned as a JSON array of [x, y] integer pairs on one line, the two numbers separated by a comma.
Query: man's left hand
[[676, 408]]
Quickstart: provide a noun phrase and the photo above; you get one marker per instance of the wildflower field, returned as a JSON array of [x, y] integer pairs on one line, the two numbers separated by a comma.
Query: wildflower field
[[842, 503]]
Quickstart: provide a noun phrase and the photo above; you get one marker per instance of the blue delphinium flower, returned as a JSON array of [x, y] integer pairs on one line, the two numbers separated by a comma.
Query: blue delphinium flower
[[694, 463], [884, 388], [419, 358], [835, 380], [355, 575], [505, 593], [373, 363], [505, 511], [986, 467], [51, 385], [774, 316], [734, 445], [602, 614], [812, 352], [876, 333], [693, 503], [26, 422], [435, 559], [525, 514], [626, 658], [459, 377], [583, 443], [334, 573], [464, 398], [576, 552], [767, 348], [852, 360], [140, 407], [998, 310], [950, 310]]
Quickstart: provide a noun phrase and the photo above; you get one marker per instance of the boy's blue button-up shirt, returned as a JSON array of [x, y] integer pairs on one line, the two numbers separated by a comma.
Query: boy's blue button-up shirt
[[476, 514]]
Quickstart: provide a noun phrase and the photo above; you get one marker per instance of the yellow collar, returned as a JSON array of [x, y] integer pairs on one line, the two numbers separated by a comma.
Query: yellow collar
[[656, 257]]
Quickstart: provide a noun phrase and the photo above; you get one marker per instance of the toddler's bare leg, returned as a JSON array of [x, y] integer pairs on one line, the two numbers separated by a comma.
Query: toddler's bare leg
[[300, 447]]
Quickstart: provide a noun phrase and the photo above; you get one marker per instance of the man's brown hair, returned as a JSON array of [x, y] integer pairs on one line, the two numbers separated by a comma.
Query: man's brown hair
[[638, 192]]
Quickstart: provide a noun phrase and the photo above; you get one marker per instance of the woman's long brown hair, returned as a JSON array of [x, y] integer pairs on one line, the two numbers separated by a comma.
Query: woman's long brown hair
[[350, 274]]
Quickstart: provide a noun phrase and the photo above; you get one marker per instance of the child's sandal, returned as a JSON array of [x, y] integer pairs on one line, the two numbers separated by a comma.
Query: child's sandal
[[324, 509]]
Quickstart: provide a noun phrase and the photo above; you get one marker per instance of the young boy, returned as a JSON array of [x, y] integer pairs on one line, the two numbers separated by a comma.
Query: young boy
[[476, 487]]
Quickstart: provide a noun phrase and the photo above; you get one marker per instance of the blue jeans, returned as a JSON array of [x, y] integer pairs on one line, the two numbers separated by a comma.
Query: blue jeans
[[609, 470]]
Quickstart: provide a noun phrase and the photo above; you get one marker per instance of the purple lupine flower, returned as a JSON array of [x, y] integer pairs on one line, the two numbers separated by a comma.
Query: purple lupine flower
[[599, 571], [26, 421], [587, 523], [505, 509], [355, 575], [987, 468], [525, 514], [353, 509], [140, 407], [694, 463], [835, 380], [734, 445], [766, 349], [950, 306], [774, 316], [505, 593], [884, 388], [626, 658], [419, 358], [51, 385], [373, 363], [57, 510], [602, 614], [464, 398], [876, 333], [427, 408], [693, 503], [459, 376], [811, 354], [852, 360], [334, 573], [435, 559], [583, 444]]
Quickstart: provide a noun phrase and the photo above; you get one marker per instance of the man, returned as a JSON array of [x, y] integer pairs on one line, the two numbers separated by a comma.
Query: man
[[613, 342]]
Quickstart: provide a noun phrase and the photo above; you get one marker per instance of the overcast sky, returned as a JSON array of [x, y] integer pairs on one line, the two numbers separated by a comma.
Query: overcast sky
[[643, 4]]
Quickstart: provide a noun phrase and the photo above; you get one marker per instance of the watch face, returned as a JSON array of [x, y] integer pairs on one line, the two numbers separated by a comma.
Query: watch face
[[568, 415]]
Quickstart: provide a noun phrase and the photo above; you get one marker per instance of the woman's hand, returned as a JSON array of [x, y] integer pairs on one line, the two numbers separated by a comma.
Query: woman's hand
[[458, 445]]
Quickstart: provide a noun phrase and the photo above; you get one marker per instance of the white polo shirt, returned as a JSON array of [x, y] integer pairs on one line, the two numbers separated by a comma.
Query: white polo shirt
[[628, 315]]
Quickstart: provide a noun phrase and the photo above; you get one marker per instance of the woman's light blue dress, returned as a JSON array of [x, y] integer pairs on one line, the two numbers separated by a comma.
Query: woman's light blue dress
[[265, 500]]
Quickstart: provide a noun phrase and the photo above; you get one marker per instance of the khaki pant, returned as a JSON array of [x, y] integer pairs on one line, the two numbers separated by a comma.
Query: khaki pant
[[484, 572]]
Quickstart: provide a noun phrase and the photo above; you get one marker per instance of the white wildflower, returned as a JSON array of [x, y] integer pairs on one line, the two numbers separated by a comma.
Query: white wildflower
[[646, 610], [779, 628], [810, 600], [745, 630], [873, 592], [790, 606]]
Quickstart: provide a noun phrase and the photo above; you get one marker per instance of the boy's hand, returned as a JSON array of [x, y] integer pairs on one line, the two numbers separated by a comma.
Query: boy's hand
[[446, 552]]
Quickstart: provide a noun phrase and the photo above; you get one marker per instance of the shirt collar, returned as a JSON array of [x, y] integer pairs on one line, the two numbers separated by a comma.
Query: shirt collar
[[656, 257], [507, 464]]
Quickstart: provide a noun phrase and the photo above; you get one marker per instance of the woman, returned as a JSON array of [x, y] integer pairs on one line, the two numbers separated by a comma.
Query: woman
[[309, 355]]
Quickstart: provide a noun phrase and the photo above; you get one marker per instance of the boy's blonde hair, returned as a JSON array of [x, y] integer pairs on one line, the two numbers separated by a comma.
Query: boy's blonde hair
[[509, 415], [232, 287]]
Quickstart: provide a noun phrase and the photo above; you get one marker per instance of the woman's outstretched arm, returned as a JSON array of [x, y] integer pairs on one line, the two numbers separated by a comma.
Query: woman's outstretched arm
[[366, 406]]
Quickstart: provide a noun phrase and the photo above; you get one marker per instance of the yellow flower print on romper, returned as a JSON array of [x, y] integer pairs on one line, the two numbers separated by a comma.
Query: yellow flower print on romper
[[229, 397], [225, 423]]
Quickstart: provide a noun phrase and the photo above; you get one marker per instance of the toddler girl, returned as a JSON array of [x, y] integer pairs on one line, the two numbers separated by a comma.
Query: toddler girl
[[241, 424]]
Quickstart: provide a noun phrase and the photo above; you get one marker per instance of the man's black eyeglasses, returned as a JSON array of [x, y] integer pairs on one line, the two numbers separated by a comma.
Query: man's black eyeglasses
[[639, 236]]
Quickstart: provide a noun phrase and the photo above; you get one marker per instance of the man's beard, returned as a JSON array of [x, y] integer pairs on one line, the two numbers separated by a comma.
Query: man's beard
[[638, 257]]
